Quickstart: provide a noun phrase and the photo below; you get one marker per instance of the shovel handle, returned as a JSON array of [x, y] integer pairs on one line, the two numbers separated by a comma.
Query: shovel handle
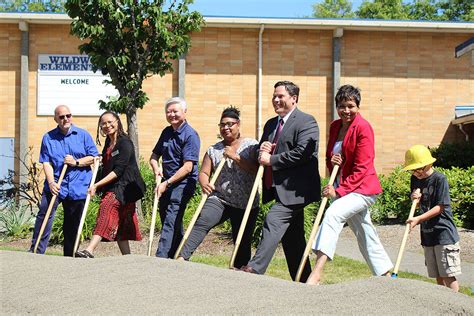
[[50, 207], [243, 224], [404, 240], [322, 206], [86, 206], [153, 218], [199, 208]]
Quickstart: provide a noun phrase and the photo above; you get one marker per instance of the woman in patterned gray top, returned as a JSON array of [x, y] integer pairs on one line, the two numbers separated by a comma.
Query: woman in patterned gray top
[[229, 196]]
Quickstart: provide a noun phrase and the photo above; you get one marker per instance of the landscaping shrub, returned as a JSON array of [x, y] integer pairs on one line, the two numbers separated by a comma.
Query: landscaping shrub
[[16, 219], [147, 200], [57, 236], [450, 155], [461, 190], [394, 202]]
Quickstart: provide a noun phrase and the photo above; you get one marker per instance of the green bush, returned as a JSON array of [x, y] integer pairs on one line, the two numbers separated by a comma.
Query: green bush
[[16, 219], [461, 190], [450, 155], [394, 203], [147, 200], [57, 236]]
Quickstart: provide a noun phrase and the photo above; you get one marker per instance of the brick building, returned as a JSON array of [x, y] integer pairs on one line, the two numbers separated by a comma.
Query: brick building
[[410, 80]]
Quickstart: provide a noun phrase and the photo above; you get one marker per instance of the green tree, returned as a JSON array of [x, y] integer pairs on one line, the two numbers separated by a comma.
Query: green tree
[[423, 10], [456, 10], [32, 6], [383, 9], [130, 40], [333, 9]]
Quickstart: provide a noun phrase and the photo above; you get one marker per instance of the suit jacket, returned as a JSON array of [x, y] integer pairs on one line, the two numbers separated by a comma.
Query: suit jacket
[[294, 160], [358, 171]]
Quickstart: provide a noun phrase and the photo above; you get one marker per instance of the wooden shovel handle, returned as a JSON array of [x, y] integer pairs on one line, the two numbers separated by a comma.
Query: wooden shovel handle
[[322, 206], [50, 207], [199, 208], [243, 224], [86, 206]]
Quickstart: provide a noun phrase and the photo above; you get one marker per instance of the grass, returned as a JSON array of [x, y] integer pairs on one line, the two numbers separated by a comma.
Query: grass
[[339, 270]]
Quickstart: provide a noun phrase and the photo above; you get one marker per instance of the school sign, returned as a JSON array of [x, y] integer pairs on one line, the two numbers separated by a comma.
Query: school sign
[[69, 79]]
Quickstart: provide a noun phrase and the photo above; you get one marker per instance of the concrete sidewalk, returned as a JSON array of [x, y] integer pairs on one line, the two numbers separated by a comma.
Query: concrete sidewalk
[[411, 262]]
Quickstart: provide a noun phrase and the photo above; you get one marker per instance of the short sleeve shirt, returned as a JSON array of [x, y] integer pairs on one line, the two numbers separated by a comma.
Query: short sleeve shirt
[[439, 230], [177, 146], [55, 146], [234, 184]]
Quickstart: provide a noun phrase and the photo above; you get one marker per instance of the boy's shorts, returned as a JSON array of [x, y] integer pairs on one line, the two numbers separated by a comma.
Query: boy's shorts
[[443, 260]]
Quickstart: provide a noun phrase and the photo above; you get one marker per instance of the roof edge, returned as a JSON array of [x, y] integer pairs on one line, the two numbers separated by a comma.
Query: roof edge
[[277, 23]]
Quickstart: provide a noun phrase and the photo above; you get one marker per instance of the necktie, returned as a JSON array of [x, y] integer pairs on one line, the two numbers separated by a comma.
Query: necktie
[[268, 179]]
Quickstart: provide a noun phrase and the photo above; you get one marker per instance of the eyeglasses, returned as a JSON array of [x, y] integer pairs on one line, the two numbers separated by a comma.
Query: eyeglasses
[[104, 124], [62, 117], [418, 170], [227, 124]]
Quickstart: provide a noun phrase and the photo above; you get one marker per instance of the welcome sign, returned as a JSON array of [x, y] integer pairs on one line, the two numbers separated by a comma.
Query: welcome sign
[[69, 80]]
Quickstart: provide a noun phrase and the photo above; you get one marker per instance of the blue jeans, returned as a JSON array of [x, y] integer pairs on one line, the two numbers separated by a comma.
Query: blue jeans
[[72, 217], [173, 203]]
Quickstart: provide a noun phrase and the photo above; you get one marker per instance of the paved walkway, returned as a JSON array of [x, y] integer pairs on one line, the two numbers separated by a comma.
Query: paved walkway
[[411, 262]]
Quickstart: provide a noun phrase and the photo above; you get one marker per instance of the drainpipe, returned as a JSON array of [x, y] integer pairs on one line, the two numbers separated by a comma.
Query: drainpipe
[[466, 135], [259, 80], [182, 76], [336, 68], [25, 48]]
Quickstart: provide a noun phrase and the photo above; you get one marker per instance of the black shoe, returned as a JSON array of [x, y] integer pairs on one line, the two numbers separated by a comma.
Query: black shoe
[[84, 254]]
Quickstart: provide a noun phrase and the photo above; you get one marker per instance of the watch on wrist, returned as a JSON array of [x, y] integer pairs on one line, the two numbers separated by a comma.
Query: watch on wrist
[[168, 183], [77, 163]]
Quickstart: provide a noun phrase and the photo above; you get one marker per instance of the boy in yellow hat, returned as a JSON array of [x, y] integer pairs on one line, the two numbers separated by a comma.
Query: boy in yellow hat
[[439, 236]]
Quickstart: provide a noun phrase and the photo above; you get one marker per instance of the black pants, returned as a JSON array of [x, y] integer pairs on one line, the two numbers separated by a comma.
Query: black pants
[[285, 223], [72, 217], [214, 213]]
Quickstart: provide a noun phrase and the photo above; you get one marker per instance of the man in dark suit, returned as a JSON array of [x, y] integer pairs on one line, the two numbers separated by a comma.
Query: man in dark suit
[[289, 152]]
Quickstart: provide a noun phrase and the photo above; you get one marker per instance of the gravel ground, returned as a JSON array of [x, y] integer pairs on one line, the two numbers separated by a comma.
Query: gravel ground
[[138, 284]]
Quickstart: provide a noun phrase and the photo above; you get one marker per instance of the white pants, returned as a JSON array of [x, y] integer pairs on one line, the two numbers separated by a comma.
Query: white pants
[[353, 208]]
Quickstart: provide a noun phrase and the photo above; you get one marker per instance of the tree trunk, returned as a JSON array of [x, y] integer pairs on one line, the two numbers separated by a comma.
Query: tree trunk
[[132, 130]]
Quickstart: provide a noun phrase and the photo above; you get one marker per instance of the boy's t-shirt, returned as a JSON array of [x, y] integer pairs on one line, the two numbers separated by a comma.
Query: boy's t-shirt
[[439, 230]]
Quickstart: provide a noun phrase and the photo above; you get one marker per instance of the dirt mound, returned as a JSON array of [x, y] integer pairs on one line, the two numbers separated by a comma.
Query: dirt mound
[[139, 284]]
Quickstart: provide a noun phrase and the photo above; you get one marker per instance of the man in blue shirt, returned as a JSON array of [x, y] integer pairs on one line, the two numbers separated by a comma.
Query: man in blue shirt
[[66, 144], [178, 146]]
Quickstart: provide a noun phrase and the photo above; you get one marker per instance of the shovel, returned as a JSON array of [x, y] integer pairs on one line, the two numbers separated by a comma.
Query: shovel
[[404, 240], [153, 218], [50, 207], [199, 208], [258, 178], [315, 226], [86, 206]]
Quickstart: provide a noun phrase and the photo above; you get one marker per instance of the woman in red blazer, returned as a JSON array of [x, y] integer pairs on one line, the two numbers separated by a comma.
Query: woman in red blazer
[[351, 146]]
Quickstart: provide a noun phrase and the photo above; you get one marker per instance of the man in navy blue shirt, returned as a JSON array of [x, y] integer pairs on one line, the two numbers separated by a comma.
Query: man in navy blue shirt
[[66, 144], [178, 146]]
